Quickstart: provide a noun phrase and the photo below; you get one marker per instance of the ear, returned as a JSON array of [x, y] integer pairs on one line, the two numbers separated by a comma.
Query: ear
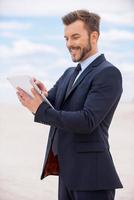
[[94, 37]]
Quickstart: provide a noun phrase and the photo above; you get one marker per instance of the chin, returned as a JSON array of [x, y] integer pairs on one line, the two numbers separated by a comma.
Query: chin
[[76, 59]]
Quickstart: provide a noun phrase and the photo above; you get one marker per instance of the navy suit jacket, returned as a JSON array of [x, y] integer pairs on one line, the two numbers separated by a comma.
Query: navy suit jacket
[[81, 122]]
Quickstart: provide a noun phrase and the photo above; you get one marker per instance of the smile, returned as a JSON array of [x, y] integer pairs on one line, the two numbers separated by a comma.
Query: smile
[[73, 50]]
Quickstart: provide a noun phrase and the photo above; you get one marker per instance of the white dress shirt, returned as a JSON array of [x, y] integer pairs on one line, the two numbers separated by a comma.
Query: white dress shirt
[[85, 63]]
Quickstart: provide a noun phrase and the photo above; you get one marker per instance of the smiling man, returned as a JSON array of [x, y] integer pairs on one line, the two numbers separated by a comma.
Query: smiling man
[[85, 98], [79, 41]]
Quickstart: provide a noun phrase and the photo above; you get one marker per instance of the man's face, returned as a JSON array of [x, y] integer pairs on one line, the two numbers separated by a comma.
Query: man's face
[[78, 41]]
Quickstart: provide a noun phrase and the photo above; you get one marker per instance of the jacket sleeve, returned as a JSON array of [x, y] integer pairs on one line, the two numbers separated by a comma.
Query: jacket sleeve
[[105, 92]]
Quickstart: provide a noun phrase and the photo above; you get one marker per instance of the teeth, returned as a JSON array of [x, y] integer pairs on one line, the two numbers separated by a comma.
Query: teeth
[[73, 49]]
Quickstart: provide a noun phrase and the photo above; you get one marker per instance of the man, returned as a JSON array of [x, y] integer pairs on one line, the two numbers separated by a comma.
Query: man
[[85, 98]]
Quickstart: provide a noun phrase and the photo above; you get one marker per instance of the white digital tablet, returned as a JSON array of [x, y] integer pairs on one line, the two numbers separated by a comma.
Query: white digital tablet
[[26, 83], [22, 81]]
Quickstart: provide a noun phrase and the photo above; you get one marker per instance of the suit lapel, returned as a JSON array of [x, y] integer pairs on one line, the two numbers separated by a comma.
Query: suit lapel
[[78, 81], [63, 89], [90, 67]]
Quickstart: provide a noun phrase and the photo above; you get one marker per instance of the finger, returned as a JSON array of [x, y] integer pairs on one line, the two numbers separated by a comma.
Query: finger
[[40, 85], [18, 89], [24, 100], [45, 88], [18, 94], [34, 79], [46, 93], [34, 92], [20, 99], [22, 92]]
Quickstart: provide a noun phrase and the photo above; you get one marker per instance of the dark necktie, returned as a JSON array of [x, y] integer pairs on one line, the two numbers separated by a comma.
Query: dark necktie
[[73, 77]]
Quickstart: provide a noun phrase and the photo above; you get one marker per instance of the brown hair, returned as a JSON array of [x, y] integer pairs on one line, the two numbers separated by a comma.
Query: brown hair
[[91, 20]]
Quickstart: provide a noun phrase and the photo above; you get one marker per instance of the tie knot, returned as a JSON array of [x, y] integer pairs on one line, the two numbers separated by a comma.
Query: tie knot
[[78, 68]]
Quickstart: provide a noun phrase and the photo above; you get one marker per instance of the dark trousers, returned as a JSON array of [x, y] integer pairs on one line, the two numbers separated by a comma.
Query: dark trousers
[[66, 194]]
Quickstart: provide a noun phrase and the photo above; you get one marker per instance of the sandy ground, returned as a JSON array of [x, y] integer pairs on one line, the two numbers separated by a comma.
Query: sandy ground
[[22, 149]]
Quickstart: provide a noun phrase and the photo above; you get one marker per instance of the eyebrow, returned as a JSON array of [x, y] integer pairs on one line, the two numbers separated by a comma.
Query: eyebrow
[[75, 34]]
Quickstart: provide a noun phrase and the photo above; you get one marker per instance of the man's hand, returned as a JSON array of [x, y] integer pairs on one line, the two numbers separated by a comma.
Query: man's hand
[[31, 103], [41, 86]]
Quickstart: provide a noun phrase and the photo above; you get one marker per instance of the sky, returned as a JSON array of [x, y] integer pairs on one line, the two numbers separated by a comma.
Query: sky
[[32, 40]]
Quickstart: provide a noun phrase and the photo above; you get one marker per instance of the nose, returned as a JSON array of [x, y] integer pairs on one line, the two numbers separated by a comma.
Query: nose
[[69, 43]]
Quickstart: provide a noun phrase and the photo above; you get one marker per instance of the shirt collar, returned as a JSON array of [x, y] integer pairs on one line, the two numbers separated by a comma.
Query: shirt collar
[[89, 60]]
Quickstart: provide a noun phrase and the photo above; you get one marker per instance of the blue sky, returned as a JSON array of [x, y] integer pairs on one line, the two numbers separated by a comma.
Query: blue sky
[[32, 40]]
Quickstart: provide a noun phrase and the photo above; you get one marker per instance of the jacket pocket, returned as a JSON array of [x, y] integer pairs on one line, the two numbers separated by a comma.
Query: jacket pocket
[[82, 147]]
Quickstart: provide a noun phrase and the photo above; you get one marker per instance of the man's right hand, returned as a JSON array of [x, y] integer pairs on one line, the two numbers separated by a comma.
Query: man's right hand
[[41, 86]]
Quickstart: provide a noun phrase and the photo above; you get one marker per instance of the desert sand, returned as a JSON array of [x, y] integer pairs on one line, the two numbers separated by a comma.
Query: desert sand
[[22, 150]]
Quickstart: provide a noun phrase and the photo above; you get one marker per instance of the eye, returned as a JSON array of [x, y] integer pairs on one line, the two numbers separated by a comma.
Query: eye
[[66, 38], [76, 37]]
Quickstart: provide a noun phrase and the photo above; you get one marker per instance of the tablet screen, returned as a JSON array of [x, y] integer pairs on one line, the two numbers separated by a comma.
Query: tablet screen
[[22, 81]]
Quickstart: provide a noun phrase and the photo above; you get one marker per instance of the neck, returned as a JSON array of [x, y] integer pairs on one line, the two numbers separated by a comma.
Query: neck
[[91, 53], [90, 58]]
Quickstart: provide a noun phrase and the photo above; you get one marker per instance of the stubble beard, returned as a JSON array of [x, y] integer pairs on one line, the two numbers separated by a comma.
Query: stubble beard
[[83, 53]]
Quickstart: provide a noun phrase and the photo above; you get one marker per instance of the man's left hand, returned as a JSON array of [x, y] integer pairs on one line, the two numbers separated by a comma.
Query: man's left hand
[[32, 103]]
